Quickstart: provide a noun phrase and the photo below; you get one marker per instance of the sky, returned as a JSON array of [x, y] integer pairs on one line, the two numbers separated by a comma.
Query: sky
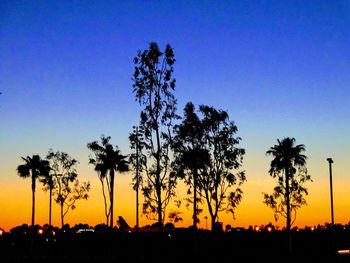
[[279, 68]]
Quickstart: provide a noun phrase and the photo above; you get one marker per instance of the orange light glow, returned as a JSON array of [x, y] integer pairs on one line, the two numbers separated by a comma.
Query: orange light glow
[[344, 252]]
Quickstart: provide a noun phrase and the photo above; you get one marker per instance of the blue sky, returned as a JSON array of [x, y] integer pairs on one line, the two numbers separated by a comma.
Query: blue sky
[[66, 66], [280, 68]]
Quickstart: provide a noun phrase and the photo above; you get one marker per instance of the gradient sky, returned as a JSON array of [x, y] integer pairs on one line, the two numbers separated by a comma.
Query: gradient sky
[[280, 68]]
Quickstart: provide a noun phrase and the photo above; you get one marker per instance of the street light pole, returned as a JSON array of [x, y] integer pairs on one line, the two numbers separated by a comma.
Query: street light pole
[[330, 161]]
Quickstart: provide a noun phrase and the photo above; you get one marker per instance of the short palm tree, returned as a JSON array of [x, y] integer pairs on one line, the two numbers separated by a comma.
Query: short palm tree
[[108, 160], [286, 158], [33, 167]]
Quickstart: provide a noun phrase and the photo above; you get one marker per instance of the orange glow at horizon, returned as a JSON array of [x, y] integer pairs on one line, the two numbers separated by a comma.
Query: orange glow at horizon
[[15, 203]]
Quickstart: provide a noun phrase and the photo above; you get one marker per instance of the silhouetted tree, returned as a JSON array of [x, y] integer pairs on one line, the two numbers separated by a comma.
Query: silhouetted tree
[[191, 154], [107, 160], [68, 190], [49, 182], [153, 86], [220, 181], [289, 167], [138, 160], [34, 167]]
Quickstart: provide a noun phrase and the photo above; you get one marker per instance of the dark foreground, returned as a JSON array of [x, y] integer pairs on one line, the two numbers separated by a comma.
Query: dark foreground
[[174, 246]]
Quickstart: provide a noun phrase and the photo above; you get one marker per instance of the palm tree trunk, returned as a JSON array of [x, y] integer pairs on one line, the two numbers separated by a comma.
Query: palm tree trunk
[[289, 233], [111, 173], [50, 206], [33, 199]]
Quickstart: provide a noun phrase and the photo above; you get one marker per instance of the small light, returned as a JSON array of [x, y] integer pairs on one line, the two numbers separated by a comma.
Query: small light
[[169, 235], [269, 229], [312, 228], [257, 229], [129, 231], [53, 233], [40, 231], [1, 232]]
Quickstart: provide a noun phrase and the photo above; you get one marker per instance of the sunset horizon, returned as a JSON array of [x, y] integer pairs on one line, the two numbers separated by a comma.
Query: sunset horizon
[[71, 74]]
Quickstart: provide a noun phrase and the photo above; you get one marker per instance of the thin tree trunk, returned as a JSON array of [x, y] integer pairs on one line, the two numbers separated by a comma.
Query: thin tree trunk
[[137, 182], [62, 215], [33, 214], [289, 233], [137, 179], [195, 199], [159, 203], [50, 206], [158, 186], [33, 199], [112, 196]]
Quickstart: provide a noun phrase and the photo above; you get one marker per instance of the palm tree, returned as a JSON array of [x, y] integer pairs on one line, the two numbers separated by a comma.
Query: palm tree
[[108, 160], [34, 167], [286, 158]]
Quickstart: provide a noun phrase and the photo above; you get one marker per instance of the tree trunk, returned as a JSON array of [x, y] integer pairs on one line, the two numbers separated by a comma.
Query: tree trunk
[[33, 199], [137, 178], [159, 204], [112, 197], [50, 206], [137, 187], [195, 199], [289, 233], [158, 186], [62, 216], [213, 220]]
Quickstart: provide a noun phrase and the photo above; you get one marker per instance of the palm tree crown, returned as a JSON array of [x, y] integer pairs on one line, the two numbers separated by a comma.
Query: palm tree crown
[[286, 155]]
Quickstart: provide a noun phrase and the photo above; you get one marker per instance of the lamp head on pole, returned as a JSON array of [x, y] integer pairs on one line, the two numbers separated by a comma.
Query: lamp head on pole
[[330, 160]]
